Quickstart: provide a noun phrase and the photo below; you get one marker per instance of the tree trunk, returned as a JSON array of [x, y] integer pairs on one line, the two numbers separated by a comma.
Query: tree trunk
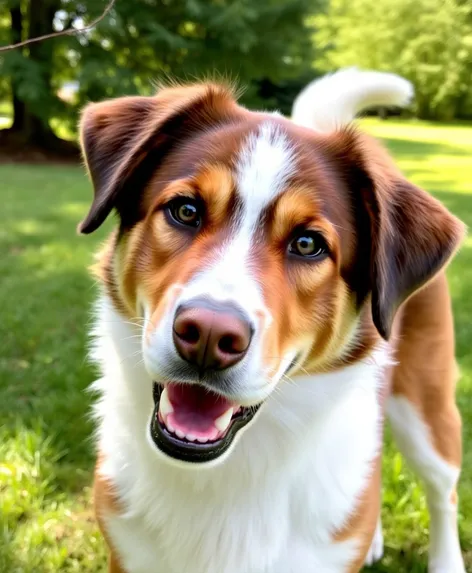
[[40, 17], [31, 131], [16, 36]]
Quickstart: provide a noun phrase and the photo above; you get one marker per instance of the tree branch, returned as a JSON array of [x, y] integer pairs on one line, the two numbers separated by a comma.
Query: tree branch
[[68, 32]]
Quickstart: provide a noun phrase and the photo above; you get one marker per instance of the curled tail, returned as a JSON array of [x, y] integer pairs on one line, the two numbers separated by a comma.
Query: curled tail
[[335, 99]]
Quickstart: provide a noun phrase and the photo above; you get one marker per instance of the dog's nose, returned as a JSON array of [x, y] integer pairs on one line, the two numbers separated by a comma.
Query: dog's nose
[[216, 337]]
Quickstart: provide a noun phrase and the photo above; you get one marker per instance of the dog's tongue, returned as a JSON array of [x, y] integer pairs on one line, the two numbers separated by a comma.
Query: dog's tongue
[[196, 411]]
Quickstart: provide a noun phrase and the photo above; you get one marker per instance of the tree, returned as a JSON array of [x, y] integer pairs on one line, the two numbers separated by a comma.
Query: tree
[[30, 71], [427, 41], [139, 43], [150, 39]]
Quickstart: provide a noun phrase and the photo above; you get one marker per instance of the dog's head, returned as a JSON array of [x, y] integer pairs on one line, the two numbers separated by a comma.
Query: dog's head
[[252, 249]]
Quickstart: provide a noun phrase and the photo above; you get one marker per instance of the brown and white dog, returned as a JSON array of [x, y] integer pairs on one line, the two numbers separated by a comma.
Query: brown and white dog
[[271, 292]]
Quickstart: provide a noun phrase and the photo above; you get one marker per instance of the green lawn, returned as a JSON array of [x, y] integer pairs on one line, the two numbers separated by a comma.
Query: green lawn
[[46, 454]]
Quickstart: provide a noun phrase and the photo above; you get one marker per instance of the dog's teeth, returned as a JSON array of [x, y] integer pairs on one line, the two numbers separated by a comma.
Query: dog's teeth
[[224, 420], [202, 440], [165, 407], [170, 427], [180, 434], [191, 437]]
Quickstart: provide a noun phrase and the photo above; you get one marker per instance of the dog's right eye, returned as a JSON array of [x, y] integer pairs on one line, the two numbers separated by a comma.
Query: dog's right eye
[[185, 211], [309, 245]]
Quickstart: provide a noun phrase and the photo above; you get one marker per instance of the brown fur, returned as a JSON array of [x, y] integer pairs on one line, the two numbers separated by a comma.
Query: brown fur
[[114, 565], [426, 373], [362, 522], [106, 502]]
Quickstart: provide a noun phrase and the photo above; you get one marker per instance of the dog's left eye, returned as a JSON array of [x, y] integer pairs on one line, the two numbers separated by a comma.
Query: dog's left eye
[[185, 211], [308, 244]]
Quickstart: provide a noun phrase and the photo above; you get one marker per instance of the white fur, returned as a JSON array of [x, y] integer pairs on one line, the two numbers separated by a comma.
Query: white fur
[[265, 163], [334, 100], [292, 480], [376, 549], [414, 440]]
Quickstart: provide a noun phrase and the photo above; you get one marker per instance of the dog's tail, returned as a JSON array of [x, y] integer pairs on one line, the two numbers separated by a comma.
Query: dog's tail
[[334, 100]]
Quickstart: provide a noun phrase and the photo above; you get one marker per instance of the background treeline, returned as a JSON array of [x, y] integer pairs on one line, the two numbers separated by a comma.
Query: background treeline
[[273, 47]]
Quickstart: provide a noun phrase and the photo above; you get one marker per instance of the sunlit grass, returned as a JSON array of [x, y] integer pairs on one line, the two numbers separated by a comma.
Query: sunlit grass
[[437, 157], [46, 454]]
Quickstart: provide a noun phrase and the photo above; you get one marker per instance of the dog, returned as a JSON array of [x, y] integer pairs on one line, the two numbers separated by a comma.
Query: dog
[[273, 290]]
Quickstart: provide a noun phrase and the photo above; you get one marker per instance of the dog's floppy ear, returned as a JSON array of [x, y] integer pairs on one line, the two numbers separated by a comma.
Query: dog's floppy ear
[[411, 235], [415, 238], [124, 139]]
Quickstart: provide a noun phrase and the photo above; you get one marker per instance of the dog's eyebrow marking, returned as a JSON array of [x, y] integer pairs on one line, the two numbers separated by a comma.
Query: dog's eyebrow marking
[[265, 163]]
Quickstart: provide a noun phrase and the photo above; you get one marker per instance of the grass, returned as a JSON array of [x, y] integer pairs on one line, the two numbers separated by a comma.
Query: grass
[[46, 455]]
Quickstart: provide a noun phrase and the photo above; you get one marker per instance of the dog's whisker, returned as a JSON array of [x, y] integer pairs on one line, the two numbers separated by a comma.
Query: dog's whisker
[[132, 355], [132, 337]]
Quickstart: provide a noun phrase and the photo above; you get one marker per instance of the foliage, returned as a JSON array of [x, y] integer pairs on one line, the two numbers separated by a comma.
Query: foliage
[[148, 39], [427, 41], [46, 455], [142, 41]]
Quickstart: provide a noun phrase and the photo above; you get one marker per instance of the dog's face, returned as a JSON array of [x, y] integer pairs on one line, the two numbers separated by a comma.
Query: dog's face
[[251, 248]]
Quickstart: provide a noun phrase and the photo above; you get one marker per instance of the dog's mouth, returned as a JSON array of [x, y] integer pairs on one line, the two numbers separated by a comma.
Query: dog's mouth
[[193, 424]]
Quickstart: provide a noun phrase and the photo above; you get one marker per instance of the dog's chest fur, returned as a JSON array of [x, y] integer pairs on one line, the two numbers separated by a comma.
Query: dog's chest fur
[[274, 506]]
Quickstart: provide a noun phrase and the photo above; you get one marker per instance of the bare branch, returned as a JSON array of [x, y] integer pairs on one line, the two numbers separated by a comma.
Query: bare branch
[[68, 32]]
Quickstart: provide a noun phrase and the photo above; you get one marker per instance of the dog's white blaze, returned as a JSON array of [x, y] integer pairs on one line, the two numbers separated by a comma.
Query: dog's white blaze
[[265, 163], [272, 506]]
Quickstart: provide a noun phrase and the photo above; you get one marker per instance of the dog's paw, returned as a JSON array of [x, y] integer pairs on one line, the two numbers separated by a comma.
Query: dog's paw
[[377, 547]]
